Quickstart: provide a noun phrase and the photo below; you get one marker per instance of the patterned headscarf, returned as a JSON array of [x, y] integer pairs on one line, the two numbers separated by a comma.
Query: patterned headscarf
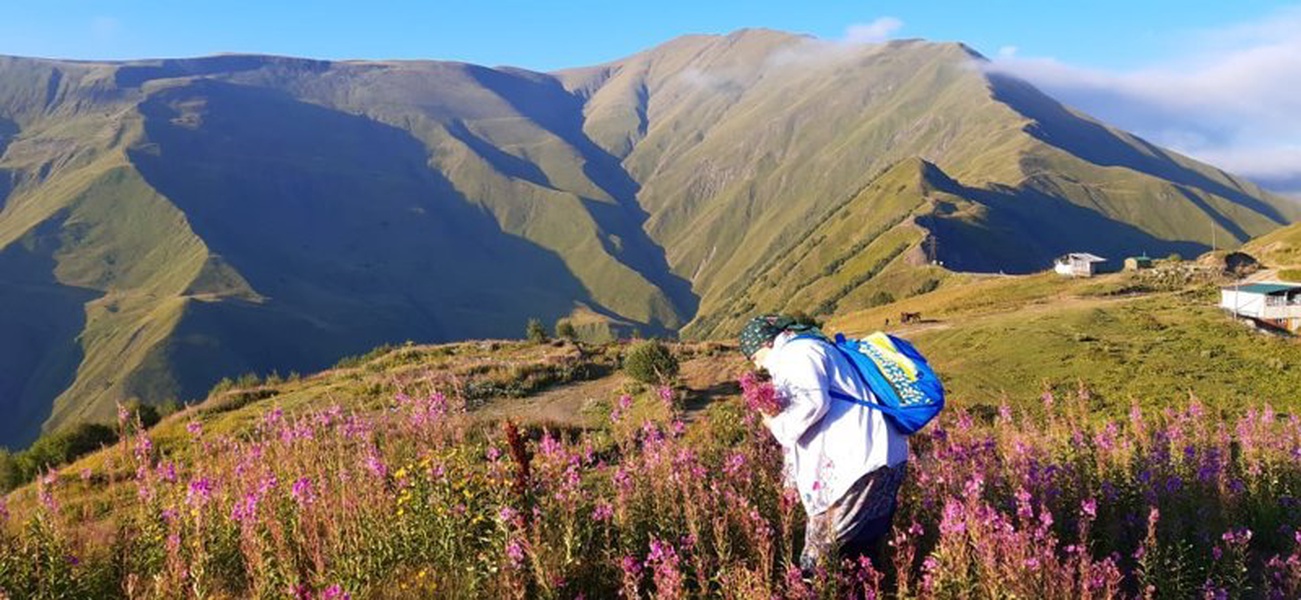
[[761, 331]]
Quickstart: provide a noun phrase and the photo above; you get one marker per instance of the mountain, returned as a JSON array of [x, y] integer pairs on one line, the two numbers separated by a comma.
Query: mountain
[[165, 223], [1278, 248]]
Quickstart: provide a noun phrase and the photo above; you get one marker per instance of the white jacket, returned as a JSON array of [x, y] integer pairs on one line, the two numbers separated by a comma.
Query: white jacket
[[829, 443]]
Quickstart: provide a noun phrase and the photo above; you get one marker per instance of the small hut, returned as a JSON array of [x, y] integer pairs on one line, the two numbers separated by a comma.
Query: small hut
[[1079, 264], [1135, 263]]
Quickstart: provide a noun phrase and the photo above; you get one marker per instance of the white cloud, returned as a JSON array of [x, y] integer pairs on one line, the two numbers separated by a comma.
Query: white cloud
[[880, 30], [1007, 51], [1231, 99]]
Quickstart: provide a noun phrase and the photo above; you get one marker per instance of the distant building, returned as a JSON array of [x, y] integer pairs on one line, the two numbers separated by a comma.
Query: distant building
[[1079, 264], [1275, 304], [1135, 263]]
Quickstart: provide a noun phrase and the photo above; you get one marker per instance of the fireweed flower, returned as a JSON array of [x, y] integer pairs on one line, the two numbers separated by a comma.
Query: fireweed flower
[[602, 512], [1089, 508], [245, 510], [666, 396], [166, 472], [515, 553], [199, 492], [45, 490], [375, 464], [760, 395], [302, 492], [195, 429]]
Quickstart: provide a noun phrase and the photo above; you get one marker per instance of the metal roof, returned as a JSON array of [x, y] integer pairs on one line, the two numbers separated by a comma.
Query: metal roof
[[1267, 289], [1086, 256]]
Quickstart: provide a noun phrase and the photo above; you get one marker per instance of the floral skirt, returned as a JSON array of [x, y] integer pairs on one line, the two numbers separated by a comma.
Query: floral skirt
[[858, 519]]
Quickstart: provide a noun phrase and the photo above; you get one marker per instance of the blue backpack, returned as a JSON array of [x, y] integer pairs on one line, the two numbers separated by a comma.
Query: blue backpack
[[908, 390]]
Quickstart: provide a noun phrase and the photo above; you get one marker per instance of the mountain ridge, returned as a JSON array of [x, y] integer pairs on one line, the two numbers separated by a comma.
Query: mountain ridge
[[248, 213]]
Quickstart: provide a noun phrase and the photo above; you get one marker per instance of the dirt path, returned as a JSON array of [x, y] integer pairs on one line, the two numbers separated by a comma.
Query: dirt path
[[578, 404], [1065, 302]]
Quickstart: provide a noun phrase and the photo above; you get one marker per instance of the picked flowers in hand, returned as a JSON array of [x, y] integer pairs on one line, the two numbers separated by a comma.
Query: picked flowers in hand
[[760, 395]]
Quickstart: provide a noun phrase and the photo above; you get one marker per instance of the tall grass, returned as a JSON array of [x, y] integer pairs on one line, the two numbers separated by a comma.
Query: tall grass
[[414, 501]]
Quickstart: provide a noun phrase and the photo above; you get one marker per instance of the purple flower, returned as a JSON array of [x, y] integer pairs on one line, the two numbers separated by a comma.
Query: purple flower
[[195, 428], [302, 492], [375, 464], [200, 491], [602, 512], [1090, 508], [515, 552], [245, 510]]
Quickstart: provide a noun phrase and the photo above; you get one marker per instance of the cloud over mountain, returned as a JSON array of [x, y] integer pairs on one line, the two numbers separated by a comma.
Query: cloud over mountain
[[1231, 100]]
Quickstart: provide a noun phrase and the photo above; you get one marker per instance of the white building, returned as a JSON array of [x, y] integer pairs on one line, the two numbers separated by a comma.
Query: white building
[[1079, 264], [1274, 304]]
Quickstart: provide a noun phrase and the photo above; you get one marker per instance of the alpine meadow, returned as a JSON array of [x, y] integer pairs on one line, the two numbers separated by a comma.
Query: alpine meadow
[[320, 271]]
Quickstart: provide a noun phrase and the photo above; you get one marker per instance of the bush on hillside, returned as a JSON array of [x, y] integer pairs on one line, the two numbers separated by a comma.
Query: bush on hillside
[[565, 330], [147, 414], [1293, 275], [880, 298], [535, 332], [650, 362], [55, 449], [926, 287]]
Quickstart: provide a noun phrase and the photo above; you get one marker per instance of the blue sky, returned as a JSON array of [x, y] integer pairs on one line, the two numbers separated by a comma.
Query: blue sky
[[550, 35], [1213, 79]]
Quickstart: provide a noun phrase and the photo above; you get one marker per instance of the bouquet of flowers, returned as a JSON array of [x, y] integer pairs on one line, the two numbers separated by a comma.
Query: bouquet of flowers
[[760, 394]]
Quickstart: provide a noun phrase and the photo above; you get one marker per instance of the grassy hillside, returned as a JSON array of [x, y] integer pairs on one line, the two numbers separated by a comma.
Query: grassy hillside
[[172, 222], [1280, 248], [397, 471]]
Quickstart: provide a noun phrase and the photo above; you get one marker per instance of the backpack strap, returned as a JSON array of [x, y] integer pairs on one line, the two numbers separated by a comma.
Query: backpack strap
[[855, 369]]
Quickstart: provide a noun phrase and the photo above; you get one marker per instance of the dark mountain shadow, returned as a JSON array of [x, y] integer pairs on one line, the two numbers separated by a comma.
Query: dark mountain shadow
[[41, 320], [1090, 141], [135, 75], [546, 102], [338, 222], [1024, 229]]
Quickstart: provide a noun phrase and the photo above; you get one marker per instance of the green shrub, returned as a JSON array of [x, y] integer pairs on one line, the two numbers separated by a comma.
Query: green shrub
[[651, 362], [565, 330], [1290, 275], [926, 287], [880, 298], [62, 447], [10, 477], [535, 332], [147, 414]]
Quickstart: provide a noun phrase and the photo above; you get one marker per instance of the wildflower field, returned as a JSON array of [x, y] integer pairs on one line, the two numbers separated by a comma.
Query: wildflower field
[[419, 500]]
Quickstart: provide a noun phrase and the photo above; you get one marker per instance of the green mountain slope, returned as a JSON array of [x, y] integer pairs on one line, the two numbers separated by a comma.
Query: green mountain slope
[[166, 223], [1279, 248]]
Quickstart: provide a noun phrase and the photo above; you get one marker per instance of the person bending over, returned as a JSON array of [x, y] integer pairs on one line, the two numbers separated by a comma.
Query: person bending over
[[845, 459]]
